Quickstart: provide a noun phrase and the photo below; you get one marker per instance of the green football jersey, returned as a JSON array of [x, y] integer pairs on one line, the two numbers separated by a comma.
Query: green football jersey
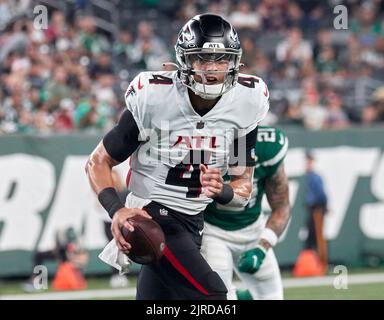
[[270, 151]]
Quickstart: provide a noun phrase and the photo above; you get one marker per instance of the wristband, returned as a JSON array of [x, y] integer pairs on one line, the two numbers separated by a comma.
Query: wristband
[[226, 195], [110, 201], [270, 236]]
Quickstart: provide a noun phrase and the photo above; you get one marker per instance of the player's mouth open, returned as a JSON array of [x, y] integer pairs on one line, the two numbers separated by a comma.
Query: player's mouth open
[[211, 80]]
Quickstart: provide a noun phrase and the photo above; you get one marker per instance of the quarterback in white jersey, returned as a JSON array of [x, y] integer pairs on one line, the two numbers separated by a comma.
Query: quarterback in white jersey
[[183, 131], [165, 168]]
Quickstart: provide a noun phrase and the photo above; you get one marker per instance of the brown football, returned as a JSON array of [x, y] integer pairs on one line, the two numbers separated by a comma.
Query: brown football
[[147, 240]]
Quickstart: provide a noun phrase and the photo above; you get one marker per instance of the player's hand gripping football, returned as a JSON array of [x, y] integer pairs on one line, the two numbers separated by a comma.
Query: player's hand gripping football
[[211, 180], [119, 220]]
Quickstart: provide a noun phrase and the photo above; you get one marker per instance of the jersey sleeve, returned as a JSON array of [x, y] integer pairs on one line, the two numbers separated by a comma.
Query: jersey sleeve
[[135, 100], [122, 140], [273, 146]]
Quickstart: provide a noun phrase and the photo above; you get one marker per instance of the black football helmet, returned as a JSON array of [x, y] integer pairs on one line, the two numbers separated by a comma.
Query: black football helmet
[[208, 37]]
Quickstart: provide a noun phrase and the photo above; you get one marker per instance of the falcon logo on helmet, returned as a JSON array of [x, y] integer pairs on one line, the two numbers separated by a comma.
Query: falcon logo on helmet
[[186, 35], [233, 35], [208, 53]]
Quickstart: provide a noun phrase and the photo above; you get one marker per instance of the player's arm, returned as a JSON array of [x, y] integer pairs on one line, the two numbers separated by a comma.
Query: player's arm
[[117, 145], [99, 169], [277, 191], [238, 192]]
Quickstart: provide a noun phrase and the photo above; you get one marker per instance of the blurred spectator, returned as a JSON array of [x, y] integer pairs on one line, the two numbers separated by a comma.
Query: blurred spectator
[[366, 26], [42, 120], [13, 39], [15, 113], [295, 15], [359, 91], [123, 50], [313, 21], [25, 124], [5, 12], [350, 56], [91, 114], [244, 18], [274, 14], [336, 116], [374, 112], [63, 118], [249, 52], [57, 27], [150, 50], [219, 7], [188, 9], [90, 41], [326, 62], [261, 65], [103, 91], [323, 39], [294, 49], [101, 66], [374, 56], [57, 88], [314, 114]]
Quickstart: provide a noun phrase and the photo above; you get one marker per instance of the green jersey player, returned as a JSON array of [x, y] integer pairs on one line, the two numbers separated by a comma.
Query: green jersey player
[[241, 239]]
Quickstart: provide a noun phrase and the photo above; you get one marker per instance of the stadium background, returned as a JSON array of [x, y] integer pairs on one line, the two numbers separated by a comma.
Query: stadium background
[[62, 86]]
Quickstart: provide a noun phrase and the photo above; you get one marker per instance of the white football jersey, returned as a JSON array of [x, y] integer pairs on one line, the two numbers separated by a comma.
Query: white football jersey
[[176, 139]]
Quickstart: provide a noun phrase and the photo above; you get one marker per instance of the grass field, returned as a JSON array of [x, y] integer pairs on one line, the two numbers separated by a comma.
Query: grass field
[[362, 286], [370, 291]]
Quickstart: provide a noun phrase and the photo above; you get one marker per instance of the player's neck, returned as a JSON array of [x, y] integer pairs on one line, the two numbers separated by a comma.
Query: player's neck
[[201, 106]]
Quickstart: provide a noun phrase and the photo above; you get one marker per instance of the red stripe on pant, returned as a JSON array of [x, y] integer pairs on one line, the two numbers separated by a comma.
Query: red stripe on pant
[[129, 174], [179, 267]]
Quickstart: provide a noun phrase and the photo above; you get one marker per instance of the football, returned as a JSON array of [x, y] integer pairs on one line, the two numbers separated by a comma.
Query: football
[[147, 240]]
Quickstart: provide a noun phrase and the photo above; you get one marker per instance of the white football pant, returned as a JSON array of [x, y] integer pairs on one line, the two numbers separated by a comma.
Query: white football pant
[[222, 248]]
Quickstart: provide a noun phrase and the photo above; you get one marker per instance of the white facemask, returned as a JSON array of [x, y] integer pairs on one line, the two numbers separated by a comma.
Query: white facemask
[[208, 92]]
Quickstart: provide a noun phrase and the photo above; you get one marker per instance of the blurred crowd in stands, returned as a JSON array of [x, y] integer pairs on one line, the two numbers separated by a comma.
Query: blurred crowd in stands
[[73, 74]]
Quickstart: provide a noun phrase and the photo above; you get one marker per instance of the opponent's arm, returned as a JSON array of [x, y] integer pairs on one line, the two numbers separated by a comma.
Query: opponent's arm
[[277, 191]]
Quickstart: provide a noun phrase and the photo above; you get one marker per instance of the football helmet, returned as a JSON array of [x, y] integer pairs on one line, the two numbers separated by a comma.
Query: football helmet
[[208, 39]]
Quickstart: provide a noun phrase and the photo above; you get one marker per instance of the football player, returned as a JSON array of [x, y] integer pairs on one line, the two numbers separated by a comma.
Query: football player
[[182, 130], [241, 239]]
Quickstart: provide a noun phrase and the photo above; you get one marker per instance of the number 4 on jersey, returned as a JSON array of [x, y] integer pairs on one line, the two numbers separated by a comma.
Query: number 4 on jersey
[[187, 172]]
